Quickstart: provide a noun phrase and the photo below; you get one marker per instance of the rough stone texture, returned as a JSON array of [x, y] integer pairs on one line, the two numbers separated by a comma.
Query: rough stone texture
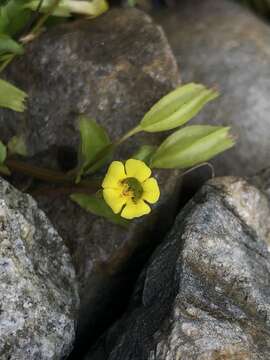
[[38, 289], [112, 68], [220, 43], [205, 294]]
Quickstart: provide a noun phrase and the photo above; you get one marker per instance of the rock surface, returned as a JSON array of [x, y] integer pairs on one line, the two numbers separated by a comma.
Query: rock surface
[[220, 43], [112, 68], [205, 294], [38, 289]]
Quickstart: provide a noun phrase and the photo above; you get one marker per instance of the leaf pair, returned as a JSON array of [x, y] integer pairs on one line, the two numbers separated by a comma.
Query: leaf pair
[[191, 146], [177, 108]]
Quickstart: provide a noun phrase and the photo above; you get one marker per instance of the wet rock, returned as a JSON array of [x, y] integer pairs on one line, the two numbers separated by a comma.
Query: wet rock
[[112, 68], [220, 43], [38, 289], [205, 292]]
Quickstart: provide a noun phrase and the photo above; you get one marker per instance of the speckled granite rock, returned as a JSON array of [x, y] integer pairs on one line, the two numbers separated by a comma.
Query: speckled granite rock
[[205, 294], [38, 289], [112, 68], [220, 43]]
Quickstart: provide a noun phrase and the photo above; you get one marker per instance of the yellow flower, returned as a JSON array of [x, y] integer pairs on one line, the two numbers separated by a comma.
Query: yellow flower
[[128, 188]]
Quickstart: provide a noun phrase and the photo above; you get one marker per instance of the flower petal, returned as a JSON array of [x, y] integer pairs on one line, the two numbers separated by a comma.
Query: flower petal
[[133, 210], [137, 169], [115, 173], [151, 191], [114, 199]]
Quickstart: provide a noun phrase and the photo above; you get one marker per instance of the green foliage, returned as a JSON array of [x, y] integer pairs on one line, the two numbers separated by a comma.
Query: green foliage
[[191, 146], [177, 108], [13, 17], [94, 139], [11, 97], [97, 206], [182, 149]]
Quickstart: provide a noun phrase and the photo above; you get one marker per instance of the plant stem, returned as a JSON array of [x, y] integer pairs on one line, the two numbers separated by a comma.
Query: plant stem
[[44, 17], [48, 175], [63, 190], [128, 135]]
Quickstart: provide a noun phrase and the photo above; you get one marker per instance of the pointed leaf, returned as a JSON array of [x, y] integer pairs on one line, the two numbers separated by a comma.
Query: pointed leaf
[[177, 108], [11, 97], [191, 146], [97, 206], [93, 140]]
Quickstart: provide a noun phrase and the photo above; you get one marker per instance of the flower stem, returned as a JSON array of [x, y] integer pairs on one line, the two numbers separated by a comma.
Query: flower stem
[[128, 135]]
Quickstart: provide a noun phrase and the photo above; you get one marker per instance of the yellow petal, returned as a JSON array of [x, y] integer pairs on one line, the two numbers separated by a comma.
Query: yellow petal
[[132, 210], [151, 191], [115, 173], [114, 199], [137, 169]]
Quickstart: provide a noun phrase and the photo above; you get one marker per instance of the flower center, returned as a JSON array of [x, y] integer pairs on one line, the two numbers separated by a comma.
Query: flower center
[[132, 188]]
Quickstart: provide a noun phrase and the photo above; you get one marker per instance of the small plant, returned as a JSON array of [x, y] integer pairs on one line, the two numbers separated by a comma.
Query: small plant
[[128, 189]]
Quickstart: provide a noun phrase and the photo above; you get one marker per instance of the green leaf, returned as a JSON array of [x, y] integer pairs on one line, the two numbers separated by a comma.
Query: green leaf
[[177, 108], [13, 17], [144, 153], [17, 145], [8, 45], [93, 140], [191, 146], [97, 206], [11, 97], [3, 153], [68, 7]]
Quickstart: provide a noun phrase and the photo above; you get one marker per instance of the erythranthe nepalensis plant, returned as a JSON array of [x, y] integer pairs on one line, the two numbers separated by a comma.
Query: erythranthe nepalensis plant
[[128, 189]]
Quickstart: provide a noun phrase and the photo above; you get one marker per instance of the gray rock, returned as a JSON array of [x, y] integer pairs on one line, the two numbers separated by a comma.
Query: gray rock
[[38, 289], [222, 44], [112, 68], [205, 294]]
